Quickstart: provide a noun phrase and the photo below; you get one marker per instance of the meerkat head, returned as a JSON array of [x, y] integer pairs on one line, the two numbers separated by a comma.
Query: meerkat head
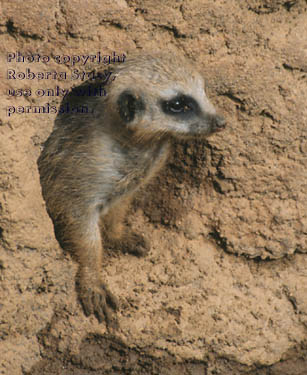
[[163, 95]]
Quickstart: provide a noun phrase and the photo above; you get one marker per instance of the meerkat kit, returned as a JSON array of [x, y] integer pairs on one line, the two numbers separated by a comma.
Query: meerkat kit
[[93, 163]]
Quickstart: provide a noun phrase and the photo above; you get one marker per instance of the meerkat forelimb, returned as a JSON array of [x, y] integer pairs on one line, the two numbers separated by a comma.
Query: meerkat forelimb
[[93, 163]]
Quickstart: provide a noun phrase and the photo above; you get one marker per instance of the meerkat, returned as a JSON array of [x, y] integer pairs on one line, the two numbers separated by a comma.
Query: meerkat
[[93, 163]]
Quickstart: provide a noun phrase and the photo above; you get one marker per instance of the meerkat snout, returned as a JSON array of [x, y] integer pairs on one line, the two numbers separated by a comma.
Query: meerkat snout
[[216, 122], [219, 123], [93, 163]]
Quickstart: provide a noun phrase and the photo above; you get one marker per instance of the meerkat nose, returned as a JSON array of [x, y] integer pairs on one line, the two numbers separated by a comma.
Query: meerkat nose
[[218, 123]]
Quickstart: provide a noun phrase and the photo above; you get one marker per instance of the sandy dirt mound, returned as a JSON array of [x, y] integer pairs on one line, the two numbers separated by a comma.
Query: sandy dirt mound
[[224, 287]]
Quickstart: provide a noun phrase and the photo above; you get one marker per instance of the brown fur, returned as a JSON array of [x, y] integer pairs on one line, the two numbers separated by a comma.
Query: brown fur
[[92, 164]]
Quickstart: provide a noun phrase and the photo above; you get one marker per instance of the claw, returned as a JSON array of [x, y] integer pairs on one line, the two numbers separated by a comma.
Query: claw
[[96, 300]]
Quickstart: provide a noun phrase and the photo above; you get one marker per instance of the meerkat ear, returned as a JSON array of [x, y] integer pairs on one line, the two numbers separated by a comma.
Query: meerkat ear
[[129, 104]]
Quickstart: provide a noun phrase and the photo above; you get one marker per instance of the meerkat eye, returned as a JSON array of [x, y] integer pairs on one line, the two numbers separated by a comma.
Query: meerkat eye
[[179, 105]]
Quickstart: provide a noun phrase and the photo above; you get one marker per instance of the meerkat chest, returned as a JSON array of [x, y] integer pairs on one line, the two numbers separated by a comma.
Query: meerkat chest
[[154, 161], [140, 166]]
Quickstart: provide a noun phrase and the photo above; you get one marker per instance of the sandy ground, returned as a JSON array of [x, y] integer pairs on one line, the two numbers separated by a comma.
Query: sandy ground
[[223, 289]]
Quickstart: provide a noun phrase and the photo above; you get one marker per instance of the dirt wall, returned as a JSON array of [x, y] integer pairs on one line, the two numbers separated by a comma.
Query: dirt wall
[[224, 287]]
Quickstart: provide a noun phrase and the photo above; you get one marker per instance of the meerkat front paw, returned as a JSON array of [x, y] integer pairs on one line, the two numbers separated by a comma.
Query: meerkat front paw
[[132, 243], [135, 244], [97, 299]]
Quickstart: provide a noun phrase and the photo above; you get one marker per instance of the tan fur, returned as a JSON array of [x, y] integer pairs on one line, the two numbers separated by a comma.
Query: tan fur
[[93, 164]]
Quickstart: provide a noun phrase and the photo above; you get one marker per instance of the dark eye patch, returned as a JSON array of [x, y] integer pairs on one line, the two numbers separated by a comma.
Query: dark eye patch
[[180, 105]]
